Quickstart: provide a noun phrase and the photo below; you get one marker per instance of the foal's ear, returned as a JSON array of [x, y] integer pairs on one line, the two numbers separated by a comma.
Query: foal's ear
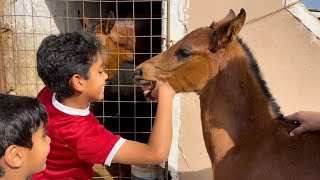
[[226, 32], [229, 17], [109, 22], [83, 20]]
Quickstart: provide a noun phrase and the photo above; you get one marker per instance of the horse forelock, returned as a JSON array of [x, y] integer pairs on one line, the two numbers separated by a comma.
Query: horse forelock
[[263, 85], [91, 27]]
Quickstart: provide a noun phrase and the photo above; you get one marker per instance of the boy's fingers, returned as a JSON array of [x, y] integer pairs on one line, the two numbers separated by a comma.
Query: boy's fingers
[[154, 93], [298, 130]]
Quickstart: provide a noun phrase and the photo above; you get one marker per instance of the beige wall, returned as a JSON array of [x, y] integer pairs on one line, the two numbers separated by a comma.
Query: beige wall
[[288, 55]]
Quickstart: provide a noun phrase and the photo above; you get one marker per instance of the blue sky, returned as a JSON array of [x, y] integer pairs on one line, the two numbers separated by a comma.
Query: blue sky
[[315, 4]]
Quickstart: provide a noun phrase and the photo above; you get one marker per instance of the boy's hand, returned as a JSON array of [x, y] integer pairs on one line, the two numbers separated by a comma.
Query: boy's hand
[[310, 121], [162, 89]]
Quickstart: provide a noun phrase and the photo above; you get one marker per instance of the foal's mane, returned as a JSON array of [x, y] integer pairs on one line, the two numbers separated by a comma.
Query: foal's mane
[[263, 85]]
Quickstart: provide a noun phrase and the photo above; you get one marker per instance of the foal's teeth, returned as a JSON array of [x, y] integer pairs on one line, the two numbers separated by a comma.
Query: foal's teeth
[[146, 92]]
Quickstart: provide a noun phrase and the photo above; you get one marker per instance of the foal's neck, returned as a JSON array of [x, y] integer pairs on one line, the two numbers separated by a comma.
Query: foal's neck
[[233, 107]]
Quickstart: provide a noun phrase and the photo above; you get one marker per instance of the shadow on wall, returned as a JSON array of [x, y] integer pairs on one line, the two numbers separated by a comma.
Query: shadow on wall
[[65, 14]]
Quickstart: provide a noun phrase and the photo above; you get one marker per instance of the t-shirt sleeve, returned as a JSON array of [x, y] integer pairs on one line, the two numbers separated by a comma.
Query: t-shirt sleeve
[[98, 145]]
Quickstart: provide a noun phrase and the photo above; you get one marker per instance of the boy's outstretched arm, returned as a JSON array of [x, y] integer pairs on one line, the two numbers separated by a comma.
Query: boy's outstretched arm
[[158, 148]]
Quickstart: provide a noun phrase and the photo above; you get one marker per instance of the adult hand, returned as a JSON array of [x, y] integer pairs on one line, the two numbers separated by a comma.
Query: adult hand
[[309, 121]]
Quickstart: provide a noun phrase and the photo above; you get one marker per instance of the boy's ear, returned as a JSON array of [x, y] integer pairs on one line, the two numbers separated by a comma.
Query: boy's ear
[[75, 82], [13, 156]]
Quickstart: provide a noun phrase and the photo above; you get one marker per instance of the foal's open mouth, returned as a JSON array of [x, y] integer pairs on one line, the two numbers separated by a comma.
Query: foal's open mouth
[[147, 87]]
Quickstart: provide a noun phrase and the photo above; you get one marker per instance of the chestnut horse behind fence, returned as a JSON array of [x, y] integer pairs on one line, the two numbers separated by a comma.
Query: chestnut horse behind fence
[[117, 41], [240, 120]]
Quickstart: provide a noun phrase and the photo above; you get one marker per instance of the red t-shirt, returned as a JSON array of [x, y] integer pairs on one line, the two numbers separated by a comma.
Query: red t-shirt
[[78, 141]]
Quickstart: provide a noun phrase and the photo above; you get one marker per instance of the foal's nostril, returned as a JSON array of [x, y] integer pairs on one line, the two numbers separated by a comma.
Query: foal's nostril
[[137, 73]]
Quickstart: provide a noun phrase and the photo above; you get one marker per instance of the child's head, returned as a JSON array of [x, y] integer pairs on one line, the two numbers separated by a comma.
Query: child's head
[[24, 145], [60, 57]]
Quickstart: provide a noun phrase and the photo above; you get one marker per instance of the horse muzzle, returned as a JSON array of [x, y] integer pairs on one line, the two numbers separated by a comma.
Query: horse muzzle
[[147, 86]]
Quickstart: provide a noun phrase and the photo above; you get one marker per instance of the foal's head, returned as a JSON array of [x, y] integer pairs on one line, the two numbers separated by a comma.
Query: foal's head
[[196, 59], [117, 41]]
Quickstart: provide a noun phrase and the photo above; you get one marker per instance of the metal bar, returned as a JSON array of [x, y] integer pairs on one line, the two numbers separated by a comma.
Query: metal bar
[[167, 45], [3, 88], [168, 24]]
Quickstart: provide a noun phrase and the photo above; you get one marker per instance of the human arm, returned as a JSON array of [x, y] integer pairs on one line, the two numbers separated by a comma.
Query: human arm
[[158, 147], [309, 121]]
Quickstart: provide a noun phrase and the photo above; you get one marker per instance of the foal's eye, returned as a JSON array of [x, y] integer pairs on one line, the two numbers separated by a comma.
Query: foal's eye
[[183, 53]]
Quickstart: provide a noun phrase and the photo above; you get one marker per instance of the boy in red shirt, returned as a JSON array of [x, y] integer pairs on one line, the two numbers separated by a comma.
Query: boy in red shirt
[[71, 67], [24, 145]]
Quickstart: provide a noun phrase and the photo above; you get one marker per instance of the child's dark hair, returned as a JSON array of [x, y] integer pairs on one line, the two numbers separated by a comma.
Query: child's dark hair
[[59, 57], [20, 118]]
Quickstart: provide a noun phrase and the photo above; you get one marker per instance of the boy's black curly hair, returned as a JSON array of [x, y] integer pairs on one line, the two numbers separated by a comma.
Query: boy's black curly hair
[[59, 57], [20, 118]]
